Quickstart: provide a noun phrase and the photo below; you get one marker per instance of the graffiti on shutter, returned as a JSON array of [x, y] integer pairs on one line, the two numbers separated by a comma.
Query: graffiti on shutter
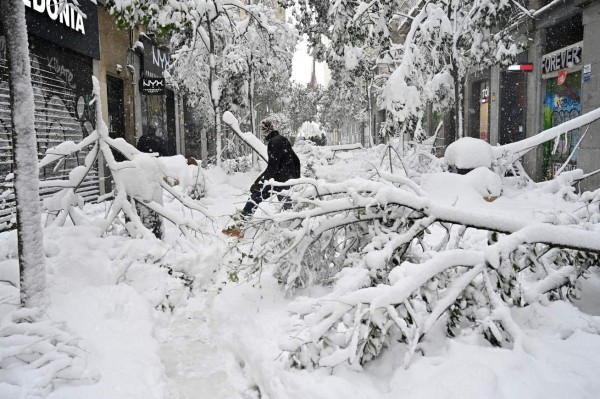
[[62, 91]]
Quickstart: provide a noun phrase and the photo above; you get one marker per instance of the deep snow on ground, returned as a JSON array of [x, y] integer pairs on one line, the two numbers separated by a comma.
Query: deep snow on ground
[[150, 337]]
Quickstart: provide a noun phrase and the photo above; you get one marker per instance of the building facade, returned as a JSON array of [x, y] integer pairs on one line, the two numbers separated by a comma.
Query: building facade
[[64, 49], [551, 82], [133, 87], [67, 47]]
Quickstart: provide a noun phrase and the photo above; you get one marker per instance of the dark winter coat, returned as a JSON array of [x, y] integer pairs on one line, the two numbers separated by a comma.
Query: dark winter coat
[[152, 144], [283, 163]]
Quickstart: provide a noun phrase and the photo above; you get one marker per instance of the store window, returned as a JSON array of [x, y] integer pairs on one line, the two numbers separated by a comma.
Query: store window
[[562, 72]]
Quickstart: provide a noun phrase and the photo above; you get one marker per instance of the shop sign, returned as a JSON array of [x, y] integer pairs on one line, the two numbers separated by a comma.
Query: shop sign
[[485, 93], [65, 23], [565, 58], [524, 67], [156, 60], [66, 13], [153, 86]]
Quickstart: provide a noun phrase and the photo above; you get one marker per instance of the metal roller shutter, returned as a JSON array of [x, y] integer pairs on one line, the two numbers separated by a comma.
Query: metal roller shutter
[[62, 90]]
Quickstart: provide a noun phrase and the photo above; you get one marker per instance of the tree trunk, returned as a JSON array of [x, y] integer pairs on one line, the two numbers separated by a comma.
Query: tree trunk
[[458, 102], [213, 96], [251, 105], [457, 77], [218, 133], [370, 107], [32, 262]]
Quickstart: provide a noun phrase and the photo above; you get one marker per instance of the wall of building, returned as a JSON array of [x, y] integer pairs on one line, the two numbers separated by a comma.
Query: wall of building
[[114, 51], [589, 159], [550, 100]]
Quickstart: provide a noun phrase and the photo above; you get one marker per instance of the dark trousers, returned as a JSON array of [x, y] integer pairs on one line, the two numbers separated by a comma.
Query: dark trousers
[[256, 197]]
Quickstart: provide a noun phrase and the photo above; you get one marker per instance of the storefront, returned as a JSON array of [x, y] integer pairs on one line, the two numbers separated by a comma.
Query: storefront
[[513, 101], [158, 101], [63, 45], [479, 109], [561, 71]]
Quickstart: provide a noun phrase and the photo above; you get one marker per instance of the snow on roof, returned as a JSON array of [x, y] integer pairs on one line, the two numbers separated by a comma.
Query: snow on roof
[[469, 153]]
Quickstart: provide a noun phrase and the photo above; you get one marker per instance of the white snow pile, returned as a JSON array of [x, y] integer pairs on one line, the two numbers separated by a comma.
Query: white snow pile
[[464, 190], [112, 299], [469, 153], [143, 177], [187, 178], [309, 129]]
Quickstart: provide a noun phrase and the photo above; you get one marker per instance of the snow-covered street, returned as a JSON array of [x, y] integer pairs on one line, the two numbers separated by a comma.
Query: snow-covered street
[[299, 199], [148, 335]]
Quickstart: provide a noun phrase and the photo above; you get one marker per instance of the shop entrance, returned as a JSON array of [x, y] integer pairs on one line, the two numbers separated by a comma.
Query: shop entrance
[[116, 114], [116, 107], [513, 101], [479, 125], [160, 110], [171, 139], [63, 112], [562, 72]]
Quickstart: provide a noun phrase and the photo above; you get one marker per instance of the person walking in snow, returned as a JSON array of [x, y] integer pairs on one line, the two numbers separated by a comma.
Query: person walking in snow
[[283, 164], [151, 143]]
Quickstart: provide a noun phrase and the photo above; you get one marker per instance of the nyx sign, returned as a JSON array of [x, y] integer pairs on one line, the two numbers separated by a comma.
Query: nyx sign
[[156, 60], [153, 85]]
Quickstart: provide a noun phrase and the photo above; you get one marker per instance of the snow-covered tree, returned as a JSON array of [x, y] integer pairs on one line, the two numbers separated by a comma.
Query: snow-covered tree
[[447, 41], [343, 102], [219, 48], [400, 263], [302, 106], [393, 280], [429, 48], [336, 29], [26, 180], [139, 184], [268, 56], [36, 352]]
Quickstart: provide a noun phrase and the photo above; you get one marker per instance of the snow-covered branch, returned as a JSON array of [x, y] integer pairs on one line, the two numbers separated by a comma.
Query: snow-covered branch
[[248, 138], [513, 151], [38, 354], [392, 282], [140, 178]]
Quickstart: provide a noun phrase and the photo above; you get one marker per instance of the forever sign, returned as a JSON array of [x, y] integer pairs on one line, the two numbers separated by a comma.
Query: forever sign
[[564, 58]]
